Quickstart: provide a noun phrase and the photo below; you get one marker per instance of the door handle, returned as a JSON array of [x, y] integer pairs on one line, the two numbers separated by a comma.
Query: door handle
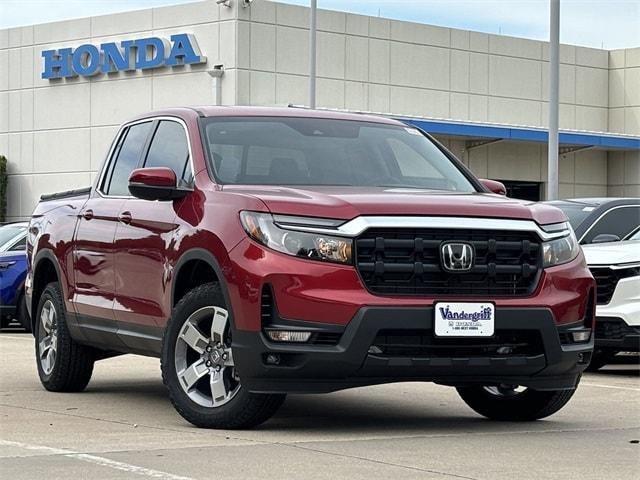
[[125, 217], [87, 214]]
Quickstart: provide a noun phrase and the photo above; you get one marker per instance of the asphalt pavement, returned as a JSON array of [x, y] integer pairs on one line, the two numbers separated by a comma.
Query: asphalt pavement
[[123, 426]]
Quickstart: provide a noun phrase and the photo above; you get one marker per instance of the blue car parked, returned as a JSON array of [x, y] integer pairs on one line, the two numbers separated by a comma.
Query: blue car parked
[[13, 271]]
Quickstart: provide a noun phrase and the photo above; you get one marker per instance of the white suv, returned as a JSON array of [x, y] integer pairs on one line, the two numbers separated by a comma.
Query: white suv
[[616, 268]]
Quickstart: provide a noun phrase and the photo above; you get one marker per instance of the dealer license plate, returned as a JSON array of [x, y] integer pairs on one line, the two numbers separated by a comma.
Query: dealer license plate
[[456, 319]]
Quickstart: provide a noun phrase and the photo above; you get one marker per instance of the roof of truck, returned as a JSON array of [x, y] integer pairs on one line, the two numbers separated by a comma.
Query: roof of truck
[[301, 112], [240, 111]]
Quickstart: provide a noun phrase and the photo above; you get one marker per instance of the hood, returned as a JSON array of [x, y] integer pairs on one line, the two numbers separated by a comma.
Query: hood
[[349, 202], [613, 253]]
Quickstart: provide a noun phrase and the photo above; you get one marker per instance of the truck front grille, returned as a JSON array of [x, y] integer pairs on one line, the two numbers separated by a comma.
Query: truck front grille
[[607, 280], [407, 262]]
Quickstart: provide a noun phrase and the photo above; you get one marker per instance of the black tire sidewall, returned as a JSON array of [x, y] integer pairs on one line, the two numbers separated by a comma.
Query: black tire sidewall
[[527, 406], [74, 362], [599, 359]]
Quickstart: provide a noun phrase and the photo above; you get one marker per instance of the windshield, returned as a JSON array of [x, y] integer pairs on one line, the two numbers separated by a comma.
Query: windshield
[[575, 212], [311, 151], [9, 232]]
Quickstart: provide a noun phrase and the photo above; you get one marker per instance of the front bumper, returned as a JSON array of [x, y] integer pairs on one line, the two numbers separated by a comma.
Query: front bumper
[[326, 292], [624, 303], [7, 311], [352, 362], [613, 333], [618, 322]]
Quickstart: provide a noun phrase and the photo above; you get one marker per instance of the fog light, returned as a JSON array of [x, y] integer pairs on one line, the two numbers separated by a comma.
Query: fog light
[[288, 336], [581, 335], [272, 359]]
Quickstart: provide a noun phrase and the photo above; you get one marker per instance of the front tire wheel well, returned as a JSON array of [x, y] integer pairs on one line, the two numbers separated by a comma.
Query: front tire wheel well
[[192, 274]]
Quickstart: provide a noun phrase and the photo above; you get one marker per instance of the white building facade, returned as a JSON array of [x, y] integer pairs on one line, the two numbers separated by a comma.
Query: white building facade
[[485, 96]]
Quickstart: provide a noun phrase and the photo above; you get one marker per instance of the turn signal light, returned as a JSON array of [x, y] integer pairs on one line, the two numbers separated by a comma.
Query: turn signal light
[[288, 336], [581, 335]]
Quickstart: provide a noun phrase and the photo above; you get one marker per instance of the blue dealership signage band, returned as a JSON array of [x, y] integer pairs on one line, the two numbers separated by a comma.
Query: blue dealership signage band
[[141, 54]]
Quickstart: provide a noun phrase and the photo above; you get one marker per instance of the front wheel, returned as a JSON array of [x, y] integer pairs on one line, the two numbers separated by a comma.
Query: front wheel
[[198, 367], [513, 403], [599, 359]]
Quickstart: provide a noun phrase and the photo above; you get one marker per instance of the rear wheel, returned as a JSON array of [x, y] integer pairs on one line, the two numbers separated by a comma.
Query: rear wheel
[[63, 364], [514, 403], [198, 367]]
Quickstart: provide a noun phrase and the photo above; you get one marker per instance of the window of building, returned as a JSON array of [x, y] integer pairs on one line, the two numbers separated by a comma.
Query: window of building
[[523, 190]]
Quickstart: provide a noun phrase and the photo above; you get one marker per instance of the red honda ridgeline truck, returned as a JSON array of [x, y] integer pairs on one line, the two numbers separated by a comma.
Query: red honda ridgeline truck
[[261, 251]]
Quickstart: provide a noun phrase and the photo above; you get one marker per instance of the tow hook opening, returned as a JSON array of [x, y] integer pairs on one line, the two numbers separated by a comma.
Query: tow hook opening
[[584, 358]]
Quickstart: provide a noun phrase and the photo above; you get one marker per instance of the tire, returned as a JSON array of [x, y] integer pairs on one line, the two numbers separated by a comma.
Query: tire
[[23, 314], [69, 367], [599, 359], [505, 404], [197, 358]]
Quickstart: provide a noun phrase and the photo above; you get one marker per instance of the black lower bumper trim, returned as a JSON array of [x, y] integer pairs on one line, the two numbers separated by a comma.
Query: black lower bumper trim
[[613, 333], [266, 366], [8, 311]]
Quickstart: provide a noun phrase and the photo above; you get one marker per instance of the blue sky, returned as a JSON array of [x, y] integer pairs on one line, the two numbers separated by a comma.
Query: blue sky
[[595, 23]]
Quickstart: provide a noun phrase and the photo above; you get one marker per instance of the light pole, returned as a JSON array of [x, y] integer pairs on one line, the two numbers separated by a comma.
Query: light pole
[[312, 54], [554, 79]]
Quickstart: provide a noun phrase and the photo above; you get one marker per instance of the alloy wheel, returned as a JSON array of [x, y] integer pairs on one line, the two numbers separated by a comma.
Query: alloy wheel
[[204, 360], [48, 337]]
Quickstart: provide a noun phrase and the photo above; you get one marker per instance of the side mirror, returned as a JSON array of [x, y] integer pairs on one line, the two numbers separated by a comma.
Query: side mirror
[[494, 186], [157, 183], [605, 238]]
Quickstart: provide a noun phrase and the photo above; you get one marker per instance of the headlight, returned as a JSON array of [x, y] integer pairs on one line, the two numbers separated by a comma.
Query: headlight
[[262, 228], [560, 250]]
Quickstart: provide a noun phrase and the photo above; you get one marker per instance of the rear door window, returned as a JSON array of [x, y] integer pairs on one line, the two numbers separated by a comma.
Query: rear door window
[[126, 158], [170, 148]]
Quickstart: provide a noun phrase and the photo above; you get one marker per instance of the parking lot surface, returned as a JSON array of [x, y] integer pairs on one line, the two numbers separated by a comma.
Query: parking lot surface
[[123, 426]]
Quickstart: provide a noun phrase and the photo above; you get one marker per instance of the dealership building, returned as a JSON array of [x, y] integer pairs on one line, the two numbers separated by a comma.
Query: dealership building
[[66, 86]]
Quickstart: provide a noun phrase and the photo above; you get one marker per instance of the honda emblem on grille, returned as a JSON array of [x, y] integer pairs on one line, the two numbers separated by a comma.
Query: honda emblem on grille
[[456, 256]]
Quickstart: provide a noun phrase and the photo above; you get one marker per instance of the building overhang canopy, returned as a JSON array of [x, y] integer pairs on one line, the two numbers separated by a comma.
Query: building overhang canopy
[[489, 131]]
